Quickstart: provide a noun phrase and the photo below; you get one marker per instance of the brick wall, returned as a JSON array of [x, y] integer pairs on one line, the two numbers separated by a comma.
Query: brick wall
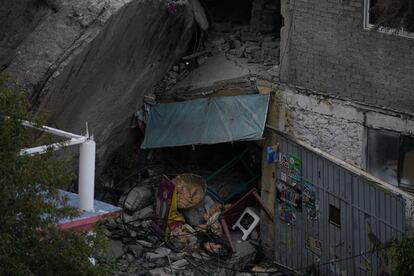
[[327, 50]]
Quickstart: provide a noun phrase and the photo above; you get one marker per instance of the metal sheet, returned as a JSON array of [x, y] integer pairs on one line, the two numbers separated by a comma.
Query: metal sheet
[[369, 216], [206, 121]]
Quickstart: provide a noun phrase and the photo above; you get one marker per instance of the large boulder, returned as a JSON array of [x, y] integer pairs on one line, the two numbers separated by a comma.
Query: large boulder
[[93, 60]]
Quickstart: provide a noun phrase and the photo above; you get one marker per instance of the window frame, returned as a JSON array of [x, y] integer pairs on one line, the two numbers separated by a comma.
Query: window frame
[[402, 137], [390, 31]]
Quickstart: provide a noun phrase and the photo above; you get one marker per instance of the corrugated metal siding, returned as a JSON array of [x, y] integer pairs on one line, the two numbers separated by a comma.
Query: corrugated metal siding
[[370, 216]]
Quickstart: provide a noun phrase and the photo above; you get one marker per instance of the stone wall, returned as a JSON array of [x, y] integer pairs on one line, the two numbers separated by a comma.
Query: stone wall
[[326, 49], [336, 126]]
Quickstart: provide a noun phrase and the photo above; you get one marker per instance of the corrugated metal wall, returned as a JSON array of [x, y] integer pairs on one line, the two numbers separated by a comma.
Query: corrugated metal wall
[[369, 218]]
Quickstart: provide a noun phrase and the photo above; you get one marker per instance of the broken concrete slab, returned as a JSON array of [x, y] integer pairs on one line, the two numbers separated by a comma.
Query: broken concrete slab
[[180, 264], [216, 69], [163, 251], [158, 272], [151, 256], [138, 197], [144, 243]]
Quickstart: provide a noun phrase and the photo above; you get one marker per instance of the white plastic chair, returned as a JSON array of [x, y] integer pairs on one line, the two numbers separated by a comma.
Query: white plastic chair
[[249, 211]]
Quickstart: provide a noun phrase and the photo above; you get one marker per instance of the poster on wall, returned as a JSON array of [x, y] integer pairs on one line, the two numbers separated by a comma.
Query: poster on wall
[[309, 195], [288, 194], [295, 167], [313, 214], [283, 176], [314, 245], [272, 154], [287, 214], [284, 164]]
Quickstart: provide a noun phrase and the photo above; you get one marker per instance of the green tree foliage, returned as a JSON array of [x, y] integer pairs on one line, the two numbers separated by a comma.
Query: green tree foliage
[[396, 14], [30, 243], [403, 253]]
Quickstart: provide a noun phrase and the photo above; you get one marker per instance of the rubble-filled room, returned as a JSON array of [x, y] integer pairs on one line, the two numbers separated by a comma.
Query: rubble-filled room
[[182, 191], [199, 203], [177, 202]]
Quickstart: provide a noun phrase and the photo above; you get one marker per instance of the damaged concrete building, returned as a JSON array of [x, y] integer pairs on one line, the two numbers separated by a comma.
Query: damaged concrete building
[[301, 100]]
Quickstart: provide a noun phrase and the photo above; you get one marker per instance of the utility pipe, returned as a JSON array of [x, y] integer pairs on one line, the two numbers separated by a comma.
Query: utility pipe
[[86, 175]]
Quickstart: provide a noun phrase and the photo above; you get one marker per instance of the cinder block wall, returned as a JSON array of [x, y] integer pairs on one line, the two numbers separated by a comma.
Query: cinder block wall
[[326, 49]]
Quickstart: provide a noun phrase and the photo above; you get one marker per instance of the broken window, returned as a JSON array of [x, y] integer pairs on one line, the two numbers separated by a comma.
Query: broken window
[[334, 215], [390, 16], [390, 157]]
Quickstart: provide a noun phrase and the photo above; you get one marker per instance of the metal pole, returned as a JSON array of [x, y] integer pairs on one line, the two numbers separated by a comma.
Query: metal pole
[[87, 175]]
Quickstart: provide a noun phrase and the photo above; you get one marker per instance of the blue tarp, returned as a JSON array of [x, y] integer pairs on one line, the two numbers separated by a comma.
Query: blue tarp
[[206, 121]]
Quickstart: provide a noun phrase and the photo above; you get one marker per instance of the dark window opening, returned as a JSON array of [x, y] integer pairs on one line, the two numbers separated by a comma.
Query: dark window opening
[[373, 13], [236, 12], [391, 14], [263, 16], [407, 163], [382, 159], [390, 157], [334, 215]]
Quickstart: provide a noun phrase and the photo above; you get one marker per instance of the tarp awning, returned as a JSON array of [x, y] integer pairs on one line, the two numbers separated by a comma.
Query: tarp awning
[[206, 121]]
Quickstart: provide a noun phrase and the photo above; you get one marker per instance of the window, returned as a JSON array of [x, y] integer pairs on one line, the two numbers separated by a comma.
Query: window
[[391, 18], [390, 157], [334, 215]]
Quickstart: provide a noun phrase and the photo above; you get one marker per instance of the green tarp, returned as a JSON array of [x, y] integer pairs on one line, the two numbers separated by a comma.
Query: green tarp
[[206, 121]]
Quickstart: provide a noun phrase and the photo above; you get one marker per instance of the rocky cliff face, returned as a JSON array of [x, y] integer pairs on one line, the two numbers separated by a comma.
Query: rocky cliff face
[[92, 61]]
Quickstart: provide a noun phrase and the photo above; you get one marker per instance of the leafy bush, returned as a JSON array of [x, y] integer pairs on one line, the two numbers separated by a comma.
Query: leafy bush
[[403, 253]]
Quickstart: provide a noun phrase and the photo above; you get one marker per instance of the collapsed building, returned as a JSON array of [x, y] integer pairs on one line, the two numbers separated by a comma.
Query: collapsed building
[[301, 101]]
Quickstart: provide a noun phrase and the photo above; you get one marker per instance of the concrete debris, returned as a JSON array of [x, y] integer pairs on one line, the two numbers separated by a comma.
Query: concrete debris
[[144, 213], [139, 197], [139, 247], [158, 272], [180, 264], [115, 249], [163, 251], [136, 249], [144, 243], [150, 256]]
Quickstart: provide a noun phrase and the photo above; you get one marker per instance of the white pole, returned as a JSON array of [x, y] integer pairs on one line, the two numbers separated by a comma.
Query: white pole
[[87, 175]]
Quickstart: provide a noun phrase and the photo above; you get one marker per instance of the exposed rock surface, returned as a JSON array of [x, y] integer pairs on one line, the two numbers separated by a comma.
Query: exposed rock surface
[[92, 60]]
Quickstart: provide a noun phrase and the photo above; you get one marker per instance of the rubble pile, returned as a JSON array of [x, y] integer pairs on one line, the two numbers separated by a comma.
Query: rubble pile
[[194, 246], [254, 50], [240, 42]]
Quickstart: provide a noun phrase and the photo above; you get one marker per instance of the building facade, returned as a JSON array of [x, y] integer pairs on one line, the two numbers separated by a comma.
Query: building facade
[[349, 86]]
